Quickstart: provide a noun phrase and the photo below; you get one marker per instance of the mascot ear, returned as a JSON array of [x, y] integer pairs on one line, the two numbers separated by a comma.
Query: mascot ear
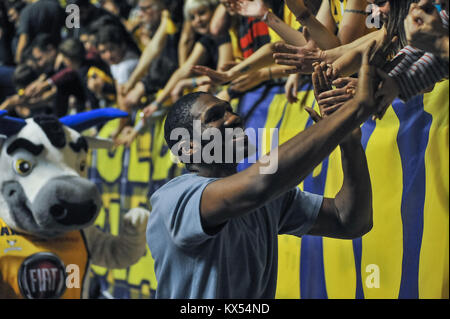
[[10, 125], [83, 121], [99, 143]]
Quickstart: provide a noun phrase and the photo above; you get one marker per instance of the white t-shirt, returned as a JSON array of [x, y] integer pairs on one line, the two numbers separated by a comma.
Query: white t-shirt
[[121, 72]]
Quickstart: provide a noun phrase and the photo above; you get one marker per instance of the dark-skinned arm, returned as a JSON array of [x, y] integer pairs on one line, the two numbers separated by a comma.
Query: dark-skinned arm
[[241, 193], [349, 214]]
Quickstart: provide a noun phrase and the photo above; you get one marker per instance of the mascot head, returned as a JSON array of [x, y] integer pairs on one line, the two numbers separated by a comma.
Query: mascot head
[[43, 186]]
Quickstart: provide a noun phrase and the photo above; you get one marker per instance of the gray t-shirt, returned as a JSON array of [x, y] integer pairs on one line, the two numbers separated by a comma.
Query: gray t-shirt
[[240, 261]]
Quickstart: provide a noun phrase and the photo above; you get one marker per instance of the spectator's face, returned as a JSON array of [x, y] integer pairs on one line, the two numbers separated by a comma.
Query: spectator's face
[[150, 13], [96, 84], [200, 18], [13, 16], [111, 53], [381, 9], [44, 59], [88, 41]]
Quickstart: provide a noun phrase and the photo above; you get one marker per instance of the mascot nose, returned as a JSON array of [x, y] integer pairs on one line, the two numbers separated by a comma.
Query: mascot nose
[[68, 214], [68, 201]]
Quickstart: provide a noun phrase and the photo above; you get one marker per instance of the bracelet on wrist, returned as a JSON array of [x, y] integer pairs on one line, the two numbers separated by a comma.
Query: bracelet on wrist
[[194, 82]]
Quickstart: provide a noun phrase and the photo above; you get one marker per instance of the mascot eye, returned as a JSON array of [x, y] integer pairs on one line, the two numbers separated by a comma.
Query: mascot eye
[[23, 167]]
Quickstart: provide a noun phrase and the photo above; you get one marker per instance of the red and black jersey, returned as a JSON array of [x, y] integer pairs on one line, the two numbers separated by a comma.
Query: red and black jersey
[[253, 34]]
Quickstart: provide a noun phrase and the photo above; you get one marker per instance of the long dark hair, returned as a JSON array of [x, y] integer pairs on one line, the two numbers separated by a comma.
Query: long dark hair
[[394, 26]]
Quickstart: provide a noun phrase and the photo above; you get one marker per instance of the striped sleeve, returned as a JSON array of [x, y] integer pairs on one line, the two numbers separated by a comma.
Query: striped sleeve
[[444, 17], [417, 71], [410, 55]]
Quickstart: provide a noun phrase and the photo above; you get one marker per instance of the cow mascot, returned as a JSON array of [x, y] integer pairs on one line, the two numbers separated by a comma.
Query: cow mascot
[[48, 207]]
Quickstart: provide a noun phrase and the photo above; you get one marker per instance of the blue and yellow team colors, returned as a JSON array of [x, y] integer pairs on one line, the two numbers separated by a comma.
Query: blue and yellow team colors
[[404, 256]]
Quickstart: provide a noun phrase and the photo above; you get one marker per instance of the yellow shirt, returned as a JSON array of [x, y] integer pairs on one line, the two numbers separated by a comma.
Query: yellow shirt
[[43, 268], [337, 10]]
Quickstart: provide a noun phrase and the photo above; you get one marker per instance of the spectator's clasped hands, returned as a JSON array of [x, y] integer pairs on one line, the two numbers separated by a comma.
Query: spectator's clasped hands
[[329, 99], [371, 91]]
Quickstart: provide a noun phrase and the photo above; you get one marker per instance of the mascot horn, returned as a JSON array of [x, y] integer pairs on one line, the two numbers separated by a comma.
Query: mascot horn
[[48, 207]]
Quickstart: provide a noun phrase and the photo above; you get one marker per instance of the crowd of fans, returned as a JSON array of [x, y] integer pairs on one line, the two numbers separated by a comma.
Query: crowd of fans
[[143, 55]]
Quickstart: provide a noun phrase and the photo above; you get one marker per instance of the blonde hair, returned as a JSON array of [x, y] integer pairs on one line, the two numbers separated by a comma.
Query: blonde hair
[[194, 4]]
